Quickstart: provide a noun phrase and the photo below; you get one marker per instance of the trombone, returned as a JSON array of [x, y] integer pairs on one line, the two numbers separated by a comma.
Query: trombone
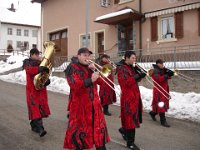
[[163, 92], [182, 76], [105, 71], [112, 64]]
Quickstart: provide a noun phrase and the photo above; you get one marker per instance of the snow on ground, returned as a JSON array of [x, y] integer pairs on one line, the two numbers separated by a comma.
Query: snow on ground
[[182, 105], [12, 62]]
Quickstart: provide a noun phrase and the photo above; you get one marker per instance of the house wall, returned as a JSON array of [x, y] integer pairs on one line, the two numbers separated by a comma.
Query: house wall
[[190, 28], [70, 14]]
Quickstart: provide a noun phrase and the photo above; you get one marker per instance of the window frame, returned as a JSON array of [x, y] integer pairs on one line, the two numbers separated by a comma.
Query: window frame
[[26, 32], [9, 31], [90, 40], [35, 33], [18, 32], [159, 29]]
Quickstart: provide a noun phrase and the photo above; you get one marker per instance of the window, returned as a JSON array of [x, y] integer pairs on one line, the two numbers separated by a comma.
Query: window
[[34, 33], [26, 33], [105, 3], [9, 31], [167, 27], [18, 32], [26, 45], [19, 44], [34, 45], [83, 41]]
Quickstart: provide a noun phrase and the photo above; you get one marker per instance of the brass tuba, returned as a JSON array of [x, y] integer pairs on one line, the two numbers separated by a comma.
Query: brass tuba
[[41, 78]]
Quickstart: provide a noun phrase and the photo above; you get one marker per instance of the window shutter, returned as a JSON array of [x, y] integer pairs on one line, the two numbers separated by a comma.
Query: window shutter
[[199, 19], [179, 25], [116, 1], [154, 29]]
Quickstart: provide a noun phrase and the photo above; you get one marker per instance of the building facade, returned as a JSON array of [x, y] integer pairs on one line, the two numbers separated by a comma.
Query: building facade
[[119, 25], [21, 37]]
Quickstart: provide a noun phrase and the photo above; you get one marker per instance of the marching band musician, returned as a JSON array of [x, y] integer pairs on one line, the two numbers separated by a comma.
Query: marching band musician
[[74, 60], [106, 94], [87, 125], [37, 100], [131, 104], [161, 75]]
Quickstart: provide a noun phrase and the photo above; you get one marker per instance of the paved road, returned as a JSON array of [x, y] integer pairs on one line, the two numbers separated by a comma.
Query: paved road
[[15, 133]]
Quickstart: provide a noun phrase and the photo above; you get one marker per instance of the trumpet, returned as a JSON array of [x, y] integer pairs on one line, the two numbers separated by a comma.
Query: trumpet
[[105, 71]]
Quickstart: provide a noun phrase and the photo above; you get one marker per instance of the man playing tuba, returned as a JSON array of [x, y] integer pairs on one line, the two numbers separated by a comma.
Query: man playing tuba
[[37, 101]]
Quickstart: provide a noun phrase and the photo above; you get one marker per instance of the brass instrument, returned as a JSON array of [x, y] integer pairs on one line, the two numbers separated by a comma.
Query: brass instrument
[[41, 78], [112, 64], [157, 86], [105, 71]]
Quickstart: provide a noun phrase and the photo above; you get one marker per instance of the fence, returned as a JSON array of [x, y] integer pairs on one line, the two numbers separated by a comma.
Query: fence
[[179, 57]]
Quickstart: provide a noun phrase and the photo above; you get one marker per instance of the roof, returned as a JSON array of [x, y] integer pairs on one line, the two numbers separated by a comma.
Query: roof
[[38, 1], [18, 24], [125, 15]]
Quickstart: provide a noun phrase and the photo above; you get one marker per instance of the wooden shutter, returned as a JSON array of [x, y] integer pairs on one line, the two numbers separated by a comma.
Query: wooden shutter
[[199, 19], [179, 25], [116, 1], [154, 28]]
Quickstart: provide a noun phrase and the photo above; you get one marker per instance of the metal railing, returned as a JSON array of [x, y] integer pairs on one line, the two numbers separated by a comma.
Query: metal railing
[[4, 52], [178, 57]]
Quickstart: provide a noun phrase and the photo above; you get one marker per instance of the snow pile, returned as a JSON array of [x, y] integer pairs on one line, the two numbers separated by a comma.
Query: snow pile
[[114, 14], [12, 62], [61, 67], [182, 106], [181, 65]]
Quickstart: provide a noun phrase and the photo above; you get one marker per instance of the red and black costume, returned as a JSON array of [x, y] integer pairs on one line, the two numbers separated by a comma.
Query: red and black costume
[[106, 94], [37, 100], [131, 103], [161, 77], [87, 125]]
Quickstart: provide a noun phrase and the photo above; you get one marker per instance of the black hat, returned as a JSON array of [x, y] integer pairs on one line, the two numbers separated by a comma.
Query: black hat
[[159, 61], [34, 51], [104, 56], [84, 50]]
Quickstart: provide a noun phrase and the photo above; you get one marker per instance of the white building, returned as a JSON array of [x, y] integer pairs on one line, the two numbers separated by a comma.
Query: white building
[[20, 28], [19, 36]]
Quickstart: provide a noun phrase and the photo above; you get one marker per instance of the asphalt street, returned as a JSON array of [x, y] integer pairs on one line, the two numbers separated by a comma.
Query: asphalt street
[[15, 133]]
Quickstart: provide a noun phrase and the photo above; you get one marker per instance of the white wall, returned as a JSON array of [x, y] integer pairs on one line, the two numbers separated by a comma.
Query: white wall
[[4, 37]]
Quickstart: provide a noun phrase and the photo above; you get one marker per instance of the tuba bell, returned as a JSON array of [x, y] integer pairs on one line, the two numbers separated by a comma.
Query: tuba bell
[[41, 78]]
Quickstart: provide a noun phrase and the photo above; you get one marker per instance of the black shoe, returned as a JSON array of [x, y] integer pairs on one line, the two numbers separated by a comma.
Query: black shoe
[[153, 115], [132, 146], [165, 124], [34, 127], [42, 133], [107, 113], [122, 131]]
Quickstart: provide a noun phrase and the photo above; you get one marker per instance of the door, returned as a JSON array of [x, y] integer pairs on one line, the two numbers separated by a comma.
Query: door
[[100, 43]]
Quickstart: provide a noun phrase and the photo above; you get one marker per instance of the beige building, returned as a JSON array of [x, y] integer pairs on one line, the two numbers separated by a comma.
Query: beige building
[[119, 25]]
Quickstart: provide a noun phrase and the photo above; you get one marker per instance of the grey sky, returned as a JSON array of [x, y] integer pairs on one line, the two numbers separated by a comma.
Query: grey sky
[[26, 13]]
